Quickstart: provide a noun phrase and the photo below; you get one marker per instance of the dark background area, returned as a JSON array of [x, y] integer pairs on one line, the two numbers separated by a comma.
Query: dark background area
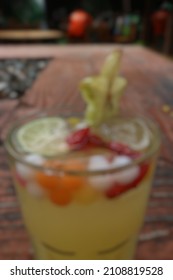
[[146, 22]]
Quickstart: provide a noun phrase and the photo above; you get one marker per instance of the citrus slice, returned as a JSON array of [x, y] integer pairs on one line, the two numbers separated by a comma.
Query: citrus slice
[[44, 136], [135, 134]]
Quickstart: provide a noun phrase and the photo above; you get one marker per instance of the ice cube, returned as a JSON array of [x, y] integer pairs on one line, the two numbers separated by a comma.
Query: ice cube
[[34, 159], [26, 171], [103, 182], [98, 162], [120, 161], [100, 182], [128, 175]]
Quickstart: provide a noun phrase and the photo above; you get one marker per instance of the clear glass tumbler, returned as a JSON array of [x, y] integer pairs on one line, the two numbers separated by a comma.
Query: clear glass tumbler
[[69, 209]]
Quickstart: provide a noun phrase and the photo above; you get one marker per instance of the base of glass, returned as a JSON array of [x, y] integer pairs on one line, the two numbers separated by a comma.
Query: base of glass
[[123, 251]]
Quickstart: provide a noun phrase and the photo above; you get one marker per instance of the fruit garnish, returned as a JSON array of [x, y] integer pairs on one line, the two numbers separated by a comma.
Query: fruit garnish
[[78, 139], [61, 187], [144, 168], [96, 140], [71, 181], [94, 93], [84, 138], [60, 196], [102, 93], [47, 181], [111, 66], [123, 149], [132, 132], [119, 188], [43, 136], [116, 190]]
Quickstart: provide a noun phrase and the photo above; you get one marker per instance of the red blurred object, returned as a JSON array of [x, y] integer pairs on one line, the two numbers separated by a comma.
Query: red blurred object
[[118, 188], [159, 21], [79, 21], [79, 139]]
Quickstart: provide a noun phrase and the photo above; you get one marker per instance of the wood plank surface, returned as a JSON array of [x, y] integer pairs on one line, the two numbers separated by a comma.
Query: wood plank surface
[[150, 87]]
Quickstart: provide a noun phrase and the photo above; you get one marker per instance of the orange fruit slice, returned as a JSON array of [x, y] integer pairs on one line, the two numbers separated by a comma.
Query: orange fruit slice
[[46, 181], [61, 189], [60, 196], [72, 182]]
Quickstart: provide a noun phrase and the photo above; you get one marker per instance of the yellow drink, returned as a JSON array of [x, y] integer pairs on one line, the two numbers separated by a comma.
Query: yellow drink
[[74, 212], [100, 230]]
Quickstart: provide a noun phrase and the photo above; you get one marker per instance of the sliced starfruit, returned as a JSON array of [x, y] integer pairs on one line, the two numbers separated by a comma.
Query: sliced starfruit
[[102, 93], [111, 66], [117, 90], [94, 93]]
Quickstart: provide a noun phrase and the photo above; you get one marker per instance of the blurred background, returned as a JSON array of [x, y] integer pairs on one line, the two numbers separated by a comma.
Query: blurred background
[[145, 22]]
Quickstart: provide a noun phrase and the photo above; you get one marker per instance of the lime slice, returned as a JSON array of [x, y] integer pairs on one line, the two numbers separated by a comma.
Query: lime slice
[[134, 133], [44, 136]]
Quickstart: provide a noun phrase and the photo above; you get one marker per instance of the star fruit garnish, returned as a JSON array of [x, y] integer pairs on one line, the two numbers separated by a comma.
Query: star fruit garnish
[[103, 92]]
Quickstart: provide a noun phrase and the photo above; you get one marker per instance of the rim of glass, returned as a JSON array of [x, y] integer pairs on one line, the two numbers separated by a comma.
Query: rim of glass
[[18, 157]]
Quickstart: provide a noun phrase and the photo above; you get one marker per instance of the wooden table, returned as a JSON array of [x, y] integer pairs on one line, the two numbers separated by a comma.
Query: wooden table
[[150, 87]]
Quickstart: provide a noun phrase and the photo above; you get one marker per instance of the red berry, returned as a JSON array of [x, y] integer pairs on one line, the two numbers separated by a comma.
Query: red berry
[[118, 188], [96, 140], [84, 139], [123, 149], [78, 139], [143, 171]]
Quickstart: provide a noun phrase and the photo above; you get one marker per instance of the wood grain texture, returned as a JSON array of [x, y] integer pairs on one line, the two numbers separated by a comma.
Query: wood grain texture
[[150, 87]]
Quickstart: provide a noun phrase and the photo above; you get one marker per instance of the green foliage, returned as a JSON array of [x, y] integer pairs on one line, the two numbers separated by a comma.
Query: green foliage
[[94, 7], [27, 12]]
